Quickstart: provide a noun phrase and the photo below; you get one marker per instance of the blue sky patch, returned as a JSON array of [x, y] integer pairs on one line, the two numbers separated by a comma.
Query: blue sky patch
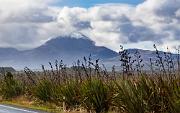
[[90, 3]]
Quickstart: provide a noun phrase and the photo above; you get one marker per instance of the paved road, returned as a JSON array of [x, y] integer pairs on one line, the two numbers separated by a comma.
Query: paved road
[[10, 109]]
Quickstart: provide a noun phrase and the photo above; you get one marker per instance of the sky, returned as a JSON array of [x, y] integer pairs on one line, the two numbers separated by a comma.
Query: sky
[[90, 3], [26, 24]]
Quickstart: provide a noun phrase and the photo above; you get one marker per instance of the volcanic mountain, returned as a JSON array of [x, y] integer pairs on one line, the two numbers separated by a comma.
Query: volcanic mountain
[[66, 48]]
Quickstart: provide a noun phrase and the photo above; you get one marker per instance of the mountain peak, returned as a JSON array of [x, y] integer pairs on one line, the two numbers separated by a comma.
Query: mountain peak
[[70, 42], [77, 35], [66, 46]]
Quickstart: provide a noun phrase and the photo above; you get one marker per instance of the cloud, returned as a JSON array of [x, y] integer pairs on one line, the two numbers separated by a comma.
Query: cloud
[[25, 23], [113, 24], [23, 11], [29, 23]]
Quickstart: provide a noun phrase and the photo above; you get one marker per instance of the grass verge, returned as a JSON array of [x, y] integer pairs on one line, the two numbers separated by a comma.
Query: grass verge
[[26, 103]]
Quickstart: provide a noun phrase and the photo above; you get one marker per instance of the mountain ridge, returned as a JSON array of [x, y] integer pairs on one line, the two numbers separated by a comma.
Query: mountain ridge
[[66, 48]]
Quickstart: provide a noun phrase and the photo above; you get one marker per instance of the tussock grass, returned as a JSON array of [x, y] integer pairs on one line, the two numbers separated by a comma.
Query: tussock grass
[[86, 87]]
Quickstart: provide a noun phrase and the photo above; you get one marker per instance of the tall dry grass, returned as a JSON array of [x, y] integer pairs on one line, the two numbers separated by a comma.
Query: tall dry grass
[[88, 86]]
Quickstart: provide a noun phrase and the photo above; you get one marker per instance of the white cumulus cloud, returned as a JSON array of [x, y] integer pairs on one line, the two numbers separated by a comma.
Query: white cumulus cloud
[[29, 23]]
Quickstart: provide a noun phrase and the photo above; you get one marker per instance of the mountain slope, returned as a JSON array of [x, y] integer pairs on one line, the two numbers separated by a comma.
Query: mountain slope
[[69, 49], [145, 55]]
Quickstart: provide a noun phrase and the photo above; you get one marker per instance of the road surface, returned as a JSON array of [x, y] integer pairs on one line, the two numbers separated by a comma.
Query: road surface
[[11, 109]]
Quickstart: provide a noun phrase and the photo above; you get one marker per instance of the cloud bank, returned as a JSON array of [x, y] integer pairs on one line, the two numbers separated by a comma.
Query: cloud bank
[[29, 23]]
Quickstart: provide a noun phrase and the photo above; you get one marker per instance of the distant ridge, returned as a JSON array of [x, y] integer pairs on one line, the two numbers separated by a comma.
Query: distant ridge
[[4, 70]]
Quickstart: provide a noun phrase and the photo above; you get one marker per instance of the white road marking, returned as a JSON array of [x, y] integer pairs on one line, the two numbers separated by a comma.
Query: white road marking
[[18, 109]]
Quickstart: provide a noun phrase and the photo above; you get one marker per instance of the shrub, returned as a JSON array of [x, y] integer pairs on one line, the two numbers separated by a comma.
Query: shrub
[[43, 90], [145, 95], [11, 87], [70, 94], [127, 98], [95, 96]]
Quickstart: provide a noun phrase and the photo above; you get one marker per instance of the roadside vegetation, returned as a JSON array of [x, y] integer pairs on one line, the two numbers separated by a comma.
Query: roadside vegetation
[[89, 87]]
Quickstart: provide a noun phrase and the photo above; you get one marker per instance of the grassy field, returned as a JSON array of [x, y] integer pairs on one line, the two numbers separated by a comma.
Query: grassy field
[[86, 87]]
